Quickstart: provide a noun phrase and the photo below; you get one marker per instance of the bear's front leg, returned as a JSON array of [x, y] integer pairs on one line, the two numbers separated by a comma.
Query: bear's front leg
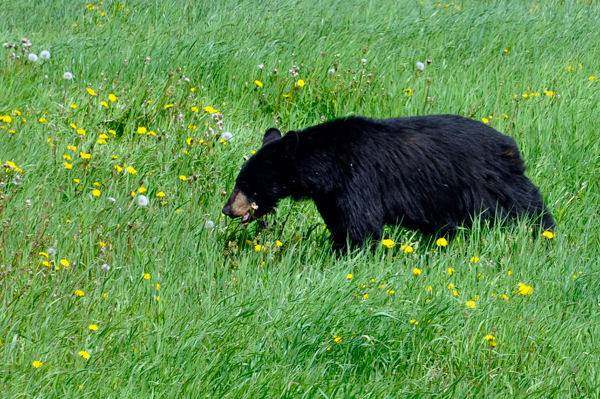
[[348, 224]]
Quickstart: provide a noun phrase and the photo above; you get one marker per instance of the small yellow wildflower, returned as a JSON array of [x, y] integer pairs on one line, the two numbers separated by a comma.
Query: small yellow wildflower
[[471, 304], [450, 286], [450, 271], [77, 181], [475, 259], [81, 131], [349, 276], [96, 193], [112, 97], [366, 296], [278, 243], [64, 262], [37, 364], [104, 104], [91, 92], [408, 92], [131, 170], [441, 242], [142, 130], [93, 327], [43, 120], [548, 234], [146, 276], [160, 194], [257, 247], [74, 106], [337, 339], [168, 106], [258, 83], [485, 120], [84, 354], [142, 190], [300, 83], [44, 254], [525, 289], [416, 271], [490, 337], [68, 166], [408, 249], [183, 178], [388, 243], [414, 321], [79, 293]]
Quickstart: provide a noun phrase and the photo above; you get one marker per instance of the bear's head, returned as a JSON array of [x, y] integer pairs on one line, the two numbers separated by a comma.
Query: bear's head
[[263, 179]]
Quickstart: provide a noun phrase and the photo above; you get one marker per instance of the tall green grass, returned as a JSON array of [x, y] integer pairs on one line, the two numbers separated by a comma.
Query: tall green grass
[[188, 310]]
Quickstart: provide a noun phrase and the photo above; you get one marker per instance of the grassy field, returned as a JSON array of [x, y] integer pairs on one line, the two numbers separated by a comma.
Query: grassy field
[[103, 297]]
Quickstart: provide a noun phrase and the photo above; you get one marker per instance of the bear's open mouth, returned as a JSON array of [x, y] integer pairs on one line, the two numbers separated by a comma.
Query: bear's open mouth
[[246, 217]]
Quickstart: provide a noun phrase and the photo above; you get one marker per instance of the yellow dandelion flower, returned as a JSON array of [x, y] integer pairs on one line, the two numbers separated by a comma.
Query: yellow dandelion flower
[[146, 276], [475, 259], [471, 304], [525, 289], [258, 83], [258, 247], [96, 193], [414, 321], [142, 190], [485, 120], [548, 234], [490, 337], [441, 242], [450, 286], [68, 166], [112, 97], [44, 254], [6, 118], [37, 364], [131, 170], [416, 271], [113, 132], [450, 271], [141, 130], [84, 354], [91, 92], [183, 178], [79, 293], [104, 104], [388, 243], [74, 106], [81, 131], [64, 262], [93, 327], [337, 339], [160, 194], [349, 276], [168, 106], [43, 120], [77, 181], [300, 83], [278, 243], [366, 296]]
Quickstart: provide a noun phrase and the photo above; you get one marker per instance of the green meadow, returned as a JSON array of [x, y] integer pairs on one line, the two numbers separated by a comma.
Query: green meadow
[[120, 277]]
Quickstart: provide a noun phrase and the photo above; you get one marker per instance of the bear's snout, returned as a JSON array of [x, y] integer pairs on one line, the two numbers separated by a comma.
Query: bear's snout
[[238, 206]]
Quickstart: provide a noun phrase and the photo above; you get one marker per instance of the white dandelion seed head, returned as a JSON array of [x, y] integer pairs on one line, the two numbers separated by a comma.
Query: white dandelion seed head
[[32, 57], [68, 75], [187, 80], [105, 267], [45, 55], [111, 199], [331, 72], [261, 66], [28, 203], [209, 224], [142, 200], [51, 252], [226, 136], [364, 60], [420, 66]]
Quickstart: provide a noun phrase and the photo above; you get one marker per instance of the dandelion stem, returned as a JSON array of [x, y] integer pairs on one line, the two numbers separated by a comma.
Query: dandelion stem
[[525, 341]]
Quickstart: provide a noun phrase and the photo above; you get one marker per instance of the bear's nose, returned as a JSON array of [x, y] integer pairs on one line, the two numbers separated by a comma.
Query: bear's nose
[[227, 210]]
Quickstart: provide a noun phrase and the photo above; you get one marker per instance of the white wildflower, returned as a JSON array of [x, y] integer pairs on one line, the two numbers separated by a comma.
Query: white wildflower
[[68, 75], [420, 66], [142, 200], [209, 224], [32, 57], [45, 55], [226, 136]]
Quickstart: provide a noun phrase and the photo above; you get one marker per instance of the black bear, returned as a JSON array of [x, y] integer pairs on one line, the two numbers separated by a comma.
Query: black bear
[[431, 173]]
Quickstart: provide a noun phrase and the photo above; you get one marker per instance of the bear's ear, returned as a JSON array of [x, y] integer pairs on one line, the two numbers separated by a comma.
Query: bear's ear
[[289, 144], [271, 135]]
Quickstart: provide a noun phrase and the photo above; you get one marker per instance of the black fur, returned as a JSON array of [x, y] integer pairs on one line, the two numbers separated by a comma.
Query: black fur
[[431, 173]]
